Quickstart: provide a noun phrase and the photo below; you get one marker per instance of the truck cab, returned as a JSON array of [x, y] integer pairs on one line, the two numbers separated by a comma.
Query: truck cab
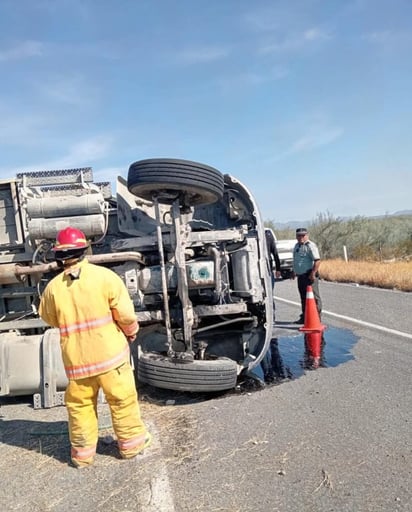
[[285, 251]]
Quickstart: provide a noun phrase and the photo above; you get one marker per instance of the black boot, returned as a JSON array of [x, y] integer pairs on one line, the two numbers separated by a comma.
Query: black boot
[[301, 319]]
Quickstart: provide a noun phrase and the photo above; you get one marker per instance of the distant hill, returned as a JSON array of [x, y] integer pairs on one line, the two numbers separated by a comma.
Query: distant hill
[[293, 224], [402, 212]]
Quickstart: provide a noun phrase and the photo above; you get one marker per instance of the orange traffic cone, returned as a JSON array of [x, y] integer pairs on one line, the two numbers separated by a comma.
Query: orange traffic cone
[[312, 320], [313, 342]]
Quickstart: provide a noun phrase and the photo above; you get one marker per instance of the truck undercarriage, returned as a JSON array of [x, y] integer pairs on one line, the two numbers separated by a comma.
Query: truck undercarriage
[[189, 244]]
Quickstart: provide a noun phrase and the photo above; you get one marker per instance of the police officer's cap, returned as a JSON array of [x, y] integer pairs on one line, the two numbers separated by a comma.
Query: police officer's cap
[[301, 231]]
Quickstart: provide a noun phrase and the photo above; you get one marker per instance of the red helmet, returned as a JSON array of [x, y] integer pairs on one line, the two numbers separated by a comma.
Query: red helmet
[[70, 238]]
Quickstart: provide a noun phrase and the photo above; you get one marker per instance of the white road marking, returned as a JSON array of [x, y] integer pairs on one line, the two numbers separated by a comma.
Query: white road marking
[[161, 499], [353, 320]]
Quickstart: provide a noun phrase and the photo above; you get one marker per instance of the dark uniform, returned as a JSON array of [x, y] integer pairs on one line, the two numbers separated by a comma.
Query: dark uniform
[[306, 261]]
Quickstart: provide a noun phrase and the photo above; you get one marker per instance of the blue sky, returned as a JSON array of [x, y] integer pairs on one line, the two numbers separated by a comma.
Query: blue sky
[[308, 103]]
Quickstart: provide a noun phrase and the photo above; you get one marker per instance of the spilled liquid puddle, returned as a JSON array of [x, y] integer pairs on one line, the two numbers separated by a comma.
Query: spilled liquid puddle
[[290, 357]]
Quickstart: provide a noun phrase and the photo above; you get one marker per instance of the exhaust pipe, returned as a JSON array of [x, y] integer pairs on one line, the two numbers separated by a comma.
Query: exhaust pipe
[[12, 273]]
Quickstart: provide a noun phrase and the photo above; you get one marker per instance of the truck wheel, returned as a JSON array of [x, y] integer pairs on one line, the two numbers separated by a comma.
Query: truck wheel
[[167, 178], [197, 376]]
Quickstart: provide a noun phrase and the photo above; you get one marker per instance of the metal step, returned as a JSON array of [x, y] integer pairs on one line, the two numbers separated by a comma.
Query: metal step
[[57, 177]]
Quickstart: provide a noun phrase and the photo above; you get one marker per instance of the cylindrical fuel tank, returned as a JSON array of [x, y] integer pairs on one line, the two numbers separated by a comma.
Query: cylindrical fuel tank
[[91, 225], [29, 364], [49, 207]]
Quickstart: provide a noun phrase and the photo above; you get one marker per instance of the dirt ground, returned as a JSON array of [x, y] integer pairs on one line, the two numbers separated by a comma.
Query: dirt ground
[[34, 458]]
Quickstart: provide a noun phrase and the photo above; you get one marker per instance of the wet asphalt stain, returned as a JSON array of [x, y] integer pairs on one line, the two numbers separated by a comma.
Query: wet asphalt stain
[[290, 357]]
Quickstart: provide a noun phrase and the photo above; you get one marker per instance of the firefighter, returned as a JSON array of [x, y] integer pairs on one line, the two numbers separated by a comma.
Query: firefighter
[[94, 313]]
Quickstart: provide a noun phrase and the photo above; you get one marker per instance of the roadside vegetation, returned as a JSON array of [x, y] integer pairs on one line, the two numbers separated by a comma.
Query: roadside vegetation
[[371, 251], [395, 275]]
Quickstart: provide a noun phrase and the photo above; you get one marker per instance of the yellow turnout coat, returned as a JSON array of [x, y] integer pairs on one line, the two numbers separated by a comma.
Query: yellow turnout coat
[[94, 314]]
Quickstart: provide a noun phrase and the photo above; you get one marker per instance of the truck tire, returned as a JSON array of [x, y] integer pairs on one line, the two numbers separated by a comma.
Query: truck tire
[[165, 177], [197, 376]]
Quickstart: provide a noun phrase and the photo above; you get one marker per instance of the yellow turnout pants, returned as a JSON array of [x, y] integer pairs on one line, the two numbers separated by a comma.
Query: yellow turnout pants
[[81, 402]]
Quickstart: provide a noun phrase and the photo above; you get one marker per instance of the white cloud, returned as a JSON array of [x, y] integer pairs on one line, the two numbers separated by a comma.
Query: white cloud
[[262, 21], [22, 50], [20, 128], [80, 154], [378, 37], [87, 151], [72, 90], [315, 34], [83, 10], [252, 78], [202, 54], [314, 134], [295, 42], [315, 138], [389, 38]]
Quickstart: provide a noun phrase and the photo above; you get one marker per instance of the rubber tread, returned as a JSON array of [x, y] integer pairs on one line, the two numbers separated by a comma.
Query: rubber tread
[[197, 376], [202, 184]]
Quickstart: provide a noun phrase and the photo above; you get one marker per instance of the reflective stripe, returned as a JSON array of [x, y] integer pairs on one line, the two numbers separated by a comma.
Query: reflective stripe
[[129, 329], [80, 452], [309, 295], [128, 444], [86, 370], [85, 326]]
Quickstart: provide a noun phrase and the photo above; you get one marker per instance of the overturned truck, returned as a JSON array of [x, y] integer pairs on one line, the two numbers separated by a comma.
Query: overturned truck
[[189, 244]]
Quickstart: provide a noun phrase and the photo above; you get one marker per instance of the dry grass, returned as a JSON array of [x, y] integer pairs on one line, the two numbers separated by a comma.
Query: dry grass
[[177, 426], [394, 275], [326, 482]]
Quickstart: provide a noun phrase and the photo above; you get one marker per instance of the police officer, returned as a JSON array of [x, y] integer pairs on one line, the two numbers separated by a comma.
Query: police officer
[[306, 262]]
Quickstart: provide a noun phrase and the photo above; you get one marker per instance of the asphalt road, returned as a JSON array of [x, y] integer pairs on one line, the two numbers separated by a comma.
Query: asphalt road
[[334, 439], [387, 308]]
